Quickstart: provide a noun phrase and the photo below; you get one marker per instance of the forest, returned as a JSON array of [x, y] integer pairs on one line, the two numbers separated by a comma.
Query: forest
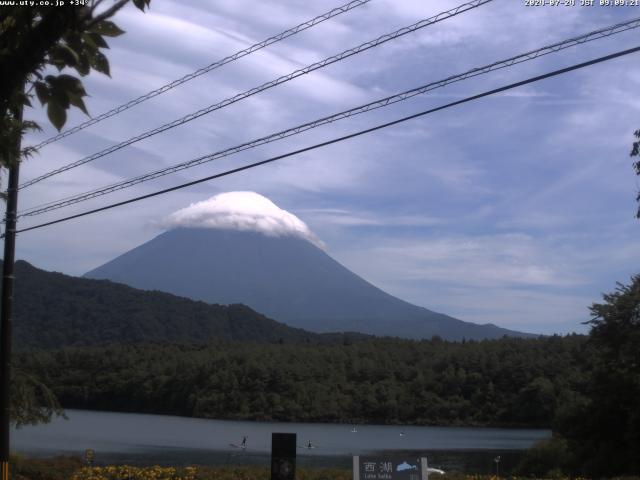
[[53, 311], [586, 388], [157, 353], [507, 382]]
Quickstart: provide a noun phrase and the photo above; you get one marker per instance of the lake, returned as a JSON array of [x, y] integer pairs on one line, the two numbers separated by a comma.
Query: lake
[[161, 439]]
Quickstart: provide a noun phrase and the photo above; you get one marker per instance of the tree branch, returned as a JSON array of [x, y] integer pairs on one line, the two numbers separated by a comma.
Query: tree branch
[[29, 53], [107, 13], [92, 8]]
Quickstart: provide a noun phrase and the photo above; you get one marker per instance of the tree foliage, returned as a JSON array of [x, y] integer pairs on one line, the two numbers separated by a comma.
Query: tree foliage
[[277, 372], [39, 46], [548, 458], [384, 380], [635, 152], [53, 310], [603, 426], [33, 402]]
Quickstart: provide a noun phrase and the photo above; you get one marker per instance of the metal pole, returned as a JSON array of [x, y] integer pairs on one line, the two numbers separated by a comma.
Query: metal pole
[[424, 468], [7, 304]]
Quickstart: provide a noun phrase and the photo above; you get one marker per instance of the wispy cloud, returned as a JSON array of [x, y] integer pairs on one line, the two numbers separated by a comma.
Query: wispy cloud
[[477, 261], [493, 211], [350, 218]]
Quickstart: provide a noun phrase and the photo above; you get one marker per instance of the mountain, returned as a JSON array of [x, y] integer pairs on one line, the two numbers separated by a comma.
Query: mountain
[[284, 277], [53, 310]]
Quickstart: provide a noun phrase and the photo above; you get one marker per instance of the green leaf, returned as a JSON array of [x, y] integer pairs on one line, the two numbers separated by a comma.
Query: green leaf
[[74, 40], [141, 4], [96, 39], [107, 29], [57, 91], [42, 91], [59, 64], [77, 101], [71, 84], [21, 98], [84, 65], [28, 152], [57, 115], [60, 96], [100, 63], [63, 54]]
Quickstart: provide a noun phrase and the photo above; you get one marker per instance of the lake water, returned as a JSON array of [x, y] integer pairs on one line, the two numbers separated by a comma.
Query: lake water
[[138, 438]]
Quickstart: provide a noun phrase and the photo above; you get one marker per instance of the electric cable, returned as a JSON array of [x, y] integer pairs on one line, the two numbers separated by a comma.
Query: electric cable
[[242, 53], [594, 35], [265, 86], [339, 139]]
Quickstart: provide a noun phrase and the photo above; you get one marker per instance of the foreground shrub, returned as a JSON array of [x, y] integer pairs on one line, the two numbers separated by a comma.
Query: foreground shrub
[[546, 459], [58, 468], [126, 472]]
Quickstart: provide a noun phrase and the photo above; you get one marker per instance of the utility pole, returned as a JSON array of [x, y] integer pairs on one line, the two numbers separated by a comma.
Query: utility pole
[[7, 303]]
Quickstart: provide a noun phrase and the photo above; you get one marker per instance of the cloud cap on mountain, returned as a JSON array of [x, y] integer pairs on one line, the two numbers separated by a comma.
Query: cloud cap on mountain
[[244, 211]]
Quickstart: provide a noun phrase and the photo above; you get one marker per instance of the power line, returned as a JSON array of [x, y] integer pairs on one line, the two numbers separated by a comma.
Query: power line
[[594, 35], [340, 139], [242, 53], [265, 86]]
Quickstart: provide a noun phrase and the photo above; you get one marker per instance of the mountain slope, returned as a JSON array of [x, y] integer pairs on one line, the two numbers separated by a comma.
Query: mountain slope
[[286, 278], [53, 310]]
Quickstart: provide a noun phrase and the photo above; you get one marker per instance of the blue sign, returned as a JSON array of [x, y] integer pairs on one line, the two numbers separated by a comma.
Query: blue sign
[[389, 468]]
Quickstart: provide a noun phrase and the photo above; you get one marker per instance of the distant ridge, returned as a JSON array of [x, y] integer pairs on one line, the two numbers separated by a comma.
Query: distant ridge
[[53, 311], [286, 278]]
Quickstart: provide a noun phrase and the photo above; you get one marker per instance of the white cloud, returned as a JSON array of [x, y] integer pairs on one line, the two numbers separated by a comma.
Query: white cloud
[[478, 261], [350, 218], [245, 211], [420, 209]]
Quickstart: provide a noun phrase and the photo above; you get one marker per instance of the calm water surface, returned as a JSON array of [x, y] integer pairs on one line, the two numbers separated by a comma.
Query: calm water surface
[[126, 437]]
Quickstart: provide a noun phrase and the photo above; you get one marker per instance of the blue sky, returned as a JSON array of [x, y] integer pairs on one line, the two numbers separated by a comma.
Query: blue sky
[[517, 209]]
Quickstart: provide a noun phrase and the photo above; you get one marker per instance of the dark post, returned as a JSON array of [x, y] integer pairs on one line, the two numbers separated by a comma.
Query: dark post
[[283, 456], [7, 304]]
